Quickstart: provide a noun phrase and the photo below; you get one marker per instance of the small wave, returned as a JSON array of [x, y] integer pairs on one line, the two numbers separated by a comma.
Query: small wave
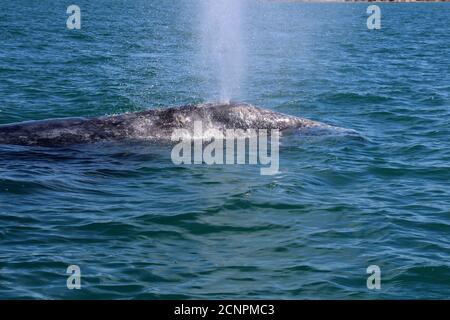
[[354, 98]]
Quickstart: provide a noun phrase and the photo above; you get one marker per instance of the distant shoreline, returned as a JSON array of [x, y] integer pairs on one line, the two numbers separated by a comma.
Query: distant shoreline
[[353, 1], [388, 0]]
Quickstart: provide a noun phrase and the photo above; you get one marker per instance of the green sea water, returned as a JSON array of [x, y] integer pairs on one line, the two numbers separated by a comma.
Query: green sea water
[[140, 227]]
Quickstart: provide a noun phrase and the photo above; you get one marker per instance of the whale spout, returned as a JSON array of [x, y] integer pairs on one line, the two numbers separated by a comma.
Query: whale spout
[[154, 124]]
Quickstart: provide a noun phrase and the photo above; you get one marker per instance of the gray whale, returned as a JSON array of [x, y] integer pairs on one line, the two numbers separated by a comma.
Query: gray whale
[[155, 124]]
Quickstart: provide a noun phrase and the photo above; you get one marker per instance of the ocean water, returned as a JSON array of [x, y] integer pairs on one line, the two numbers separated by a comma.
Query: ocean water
[[140, 227]]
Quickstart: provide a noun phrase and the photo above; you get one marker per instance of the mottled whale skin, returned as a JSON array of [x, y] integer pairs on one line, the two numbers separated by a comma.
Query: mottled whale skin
[[157, 124]]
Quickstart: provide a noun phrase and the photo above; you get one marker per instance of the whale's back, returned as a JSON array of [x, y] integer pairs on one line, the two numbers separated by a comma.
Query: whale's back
[[62, 132], [150, 124]]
